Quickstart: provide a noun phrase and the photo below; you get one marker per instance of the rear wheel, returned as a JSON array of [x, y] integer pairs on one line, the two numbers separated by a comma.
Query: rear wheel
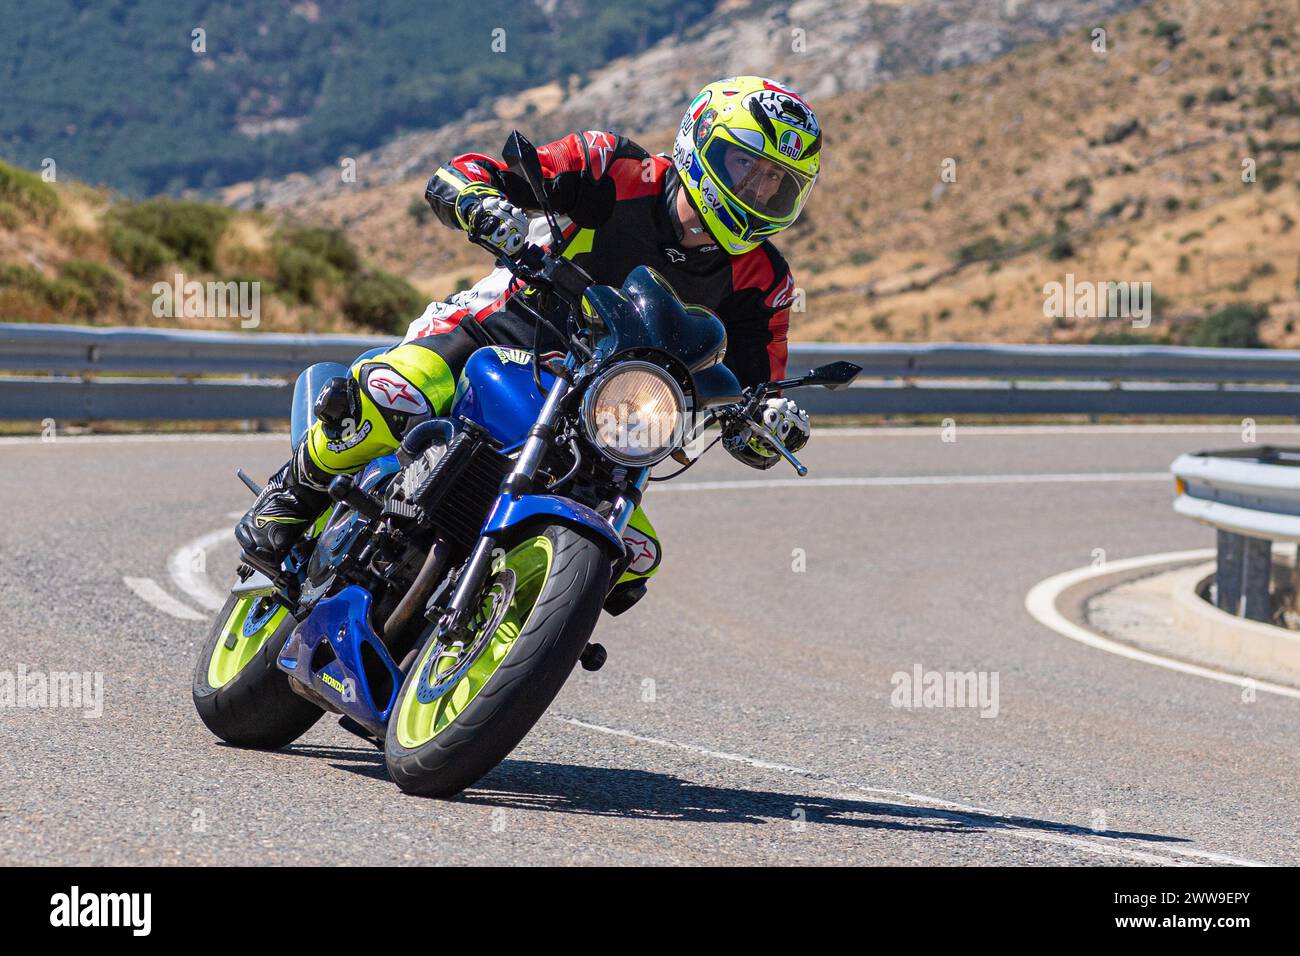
[[241, 695], [463, 709]]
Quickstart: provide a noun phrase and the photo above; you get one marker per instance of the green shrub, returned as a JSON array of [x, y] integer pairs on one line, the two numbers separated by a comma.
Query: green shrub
[[299, 271], [1236, 326], [27, 191], [984, 247], [1061, 248], [419, 210], [56, 293], [381, 302], [327, 244], [1170, 31], [140, 253], [1118, 132], [192, 229], [104, 285], [8, 216]]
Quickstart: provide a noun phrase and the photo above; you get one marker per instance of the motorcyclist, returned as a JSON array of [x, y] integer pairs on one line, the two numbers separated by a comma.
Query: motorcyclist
[[746, 157]]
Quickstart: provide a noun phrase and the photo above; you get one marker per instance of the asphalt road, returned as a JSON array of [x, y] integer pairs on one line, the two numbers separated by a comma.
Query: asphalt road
[[744, 715]]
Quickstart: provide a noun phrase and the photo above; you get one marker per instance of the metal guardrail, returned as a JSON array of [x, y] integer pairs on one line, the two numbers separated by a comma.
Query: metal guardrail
[[74, 348], [1251, 497], [930, 378]]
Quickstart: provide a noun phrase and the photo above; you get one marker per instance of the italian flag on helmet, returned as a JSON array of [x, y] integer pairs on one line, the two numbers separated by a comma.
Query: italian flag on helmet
[[748, 152]]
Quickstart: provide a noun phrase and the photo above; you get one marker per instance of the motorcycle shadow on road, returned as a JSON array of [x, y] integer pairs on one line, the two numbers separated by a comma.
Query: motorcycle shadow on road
[[650, 795]]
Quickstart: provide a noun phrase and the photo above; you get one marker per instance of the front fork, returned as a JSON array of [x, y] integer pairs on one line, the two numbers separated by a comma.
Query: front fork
[[520, 481], [520, 478]]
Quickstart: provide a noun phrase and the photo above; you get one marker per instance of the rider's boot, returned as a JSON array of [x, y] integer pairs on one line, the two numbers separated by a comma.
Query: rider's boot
[[285, 509], [392, 392]]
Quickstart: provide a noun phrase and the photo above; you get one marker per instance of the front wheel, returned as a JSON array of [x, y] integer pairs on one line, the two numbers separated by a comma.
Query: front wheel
[[238, 691], [462, 709]]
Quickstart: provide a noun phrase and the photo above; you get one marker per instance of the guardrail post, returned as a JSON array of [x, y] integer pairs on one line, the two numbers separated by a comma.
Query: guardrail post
[[1243, 573], [1257, 574], [1227, 572]]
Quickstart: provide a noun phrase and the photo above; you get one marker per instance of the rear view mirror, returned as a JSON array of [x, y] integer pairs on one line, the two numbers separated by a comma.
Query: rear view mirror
[[834, 376], [522, 160]]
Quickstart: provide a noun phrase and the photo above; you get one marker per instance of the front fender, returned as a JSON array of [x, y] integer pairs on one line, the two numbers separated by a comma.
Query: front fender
[[510, 511]]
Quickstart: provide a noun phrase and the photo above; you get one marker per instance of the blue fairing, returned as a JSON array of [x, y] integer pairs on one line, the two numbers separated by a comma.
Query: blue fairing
[[497, 390], [343, 622], [365, 693]]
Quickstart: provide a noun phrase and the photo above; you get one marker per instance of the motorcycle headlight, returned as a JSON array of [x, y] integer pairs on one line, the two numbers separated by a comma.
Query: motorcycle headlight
[[634, 413]]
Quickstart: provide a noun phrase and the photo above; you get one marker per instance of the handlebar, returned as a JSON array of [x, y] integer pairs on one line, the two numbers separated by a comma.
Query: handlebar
[[538, 266], [745, 414]]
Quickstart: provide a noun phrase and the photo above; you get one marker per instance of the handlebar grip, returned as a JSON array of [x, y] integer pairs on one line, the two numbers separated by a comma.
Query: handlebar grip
[[344, 489]]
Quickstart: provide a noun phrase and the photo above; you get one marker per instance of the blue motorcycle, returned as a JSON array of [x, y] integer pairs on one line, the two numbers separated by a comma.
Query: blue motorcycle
[[440, 604]]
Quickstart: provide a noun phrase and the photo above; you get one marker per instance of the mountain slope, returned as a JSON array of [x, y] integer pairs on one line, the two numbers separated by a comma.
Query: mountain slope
[[149, 96], [1122, 165]]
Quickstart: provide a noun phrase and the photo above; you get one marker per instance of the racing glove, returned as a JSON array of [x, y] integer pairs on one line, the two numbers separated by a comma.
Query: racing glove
[[486, 214], [786, 420]]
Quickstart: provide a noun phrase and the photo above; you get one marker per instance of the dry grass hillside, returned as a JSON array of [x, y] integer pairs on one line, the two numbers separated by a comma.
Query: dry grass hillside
[[1123, 165], [1115, 165], [69, 253]]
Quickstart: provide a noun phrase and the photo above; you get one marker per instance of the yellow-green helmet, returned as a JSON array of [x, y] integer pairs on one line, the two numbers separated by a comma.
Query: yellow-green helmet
[[748, 152]]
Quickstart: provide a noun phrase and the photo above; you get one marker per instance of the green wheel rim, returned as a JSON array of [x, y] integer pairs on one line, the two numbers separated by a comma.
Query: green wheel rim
[[247, 628], [418, 721], [250, 624]]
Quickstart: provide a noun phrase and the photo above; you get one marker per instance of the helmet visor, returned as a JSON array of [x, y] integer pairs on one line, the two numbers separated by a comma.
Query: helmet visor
[[759, 184]]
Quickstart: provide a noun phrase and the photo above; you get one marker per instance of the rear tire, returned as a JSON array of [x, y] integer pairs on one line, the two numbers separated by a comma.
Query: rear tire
[[524, 683], [255, 707]]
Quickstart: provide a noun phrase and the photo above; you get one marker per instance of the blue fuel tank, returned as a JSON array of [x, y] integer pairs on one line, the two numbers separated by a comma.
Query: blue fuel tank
[[496, 390]]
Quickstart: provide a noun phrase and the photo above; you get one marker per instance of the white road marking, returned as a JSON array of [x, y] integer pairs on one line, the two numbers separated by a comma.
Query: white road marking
[[965, 812], [188, 567], [856, 431], [143, 439], [903, 481], [150, 591], [1041, 603]]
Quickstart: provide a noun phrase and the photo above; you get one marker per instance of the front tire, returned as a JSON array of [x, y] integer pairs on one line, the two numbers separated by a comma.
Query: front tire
[[238, 691], [441, 744]]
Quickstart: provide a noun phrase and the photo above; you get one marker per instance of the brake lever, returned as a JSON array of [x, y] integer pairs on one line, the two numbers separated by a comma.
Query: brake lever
[[800, 468], [743, 414]]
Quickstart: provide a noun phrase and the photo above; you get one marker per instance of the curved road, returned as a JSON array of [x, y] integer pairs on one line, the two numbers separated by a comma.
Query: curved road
[[744, 715]]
